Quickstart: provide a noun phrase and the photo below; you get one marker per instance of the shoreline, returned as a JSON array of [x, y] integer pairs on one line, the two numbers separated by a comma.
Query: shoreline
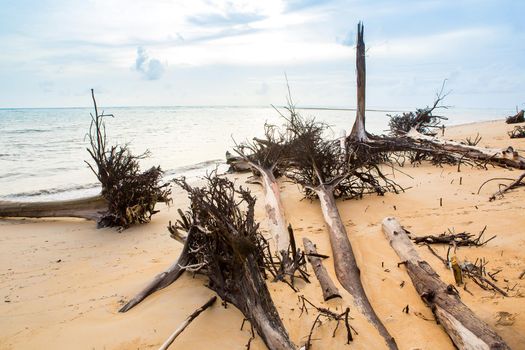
[[63, 280]]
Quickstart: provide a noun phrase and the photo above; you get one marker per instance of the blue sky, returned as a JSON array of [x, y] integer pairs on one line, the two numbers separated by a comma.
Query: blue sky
[[211, 52]]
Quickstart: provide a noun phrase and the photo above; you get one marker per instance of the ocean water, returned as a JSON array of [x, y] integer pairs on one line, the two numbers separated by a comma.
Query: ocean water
[[43, 151]]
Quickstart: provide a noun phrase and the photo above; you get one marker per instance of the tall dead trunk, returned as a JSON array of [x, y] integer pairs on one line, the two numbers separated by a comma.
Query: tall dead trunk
[[87, 208], [358, 131], [346, 268], [465, 329], [506, 157]]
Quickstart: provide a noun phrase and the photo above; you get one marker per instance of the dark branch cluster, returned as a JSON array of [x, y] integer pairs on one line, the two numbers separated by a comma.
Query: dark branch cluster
[[517, 133], [519, 117], [224, 244], [461, 239], [349, 168], [328, 315], [131, 195], [268, 153], [224, 236], [423, 119]]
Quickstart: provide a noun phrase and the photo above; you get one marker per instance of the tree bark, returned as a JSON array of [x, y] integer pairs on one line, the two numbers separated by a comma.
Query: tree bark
[[86, 208], [464, 328], [358, 131], [275, 211], [506, 157], [346, 268], [327, 285], [186, 323], [253, 299]]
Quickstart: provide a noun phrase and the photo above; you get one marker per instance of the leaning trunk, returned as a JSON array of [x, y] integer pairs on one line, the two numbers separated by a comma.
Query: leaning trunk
[[504, 157], [86, 208], [465, 329], [346, 268]]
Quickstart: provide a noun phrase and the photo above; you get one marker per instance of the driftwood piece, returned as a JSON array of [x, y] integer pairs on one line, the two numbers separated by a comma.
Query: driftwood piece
[[186, 323], [505, 157], [163, 279], [87, 208], [518, 182], [517, 118], [346, 269], [327, 285], [464, 328], [462, 239]]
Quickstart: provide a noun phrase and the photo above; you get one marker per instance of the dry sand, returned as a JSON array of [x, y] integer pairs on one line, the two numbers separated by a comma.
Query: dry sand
[[62, 281]]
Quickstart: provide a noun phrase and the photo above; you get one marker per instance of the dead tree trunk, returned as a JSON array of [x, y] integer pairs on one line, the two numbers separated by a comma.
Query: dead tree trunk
[[275, 211], [327, 285], [358, 131], [464, 328], [346, 268], [87, 208], [506, 157]]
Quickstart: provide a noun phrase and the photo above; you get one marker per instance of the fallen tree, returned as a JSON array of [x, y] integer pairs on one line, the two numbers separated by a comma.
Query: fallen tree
[[266, 158], [326, 171], [225, 245], [128, 195], [464, 328]]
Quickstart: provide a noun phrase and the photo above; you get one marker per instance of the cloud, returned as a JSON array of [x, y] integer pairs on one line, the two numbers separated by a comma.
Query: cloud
[[151, 68]]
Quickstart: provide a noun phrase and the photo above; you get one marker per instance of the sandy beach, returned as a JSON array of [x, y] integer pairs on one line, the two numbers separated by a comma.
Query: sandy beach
[[62, 281]]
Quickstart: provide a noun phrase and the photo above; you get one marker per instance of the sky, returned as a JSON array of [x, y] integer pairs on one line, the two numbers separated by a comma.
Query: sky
[[215, 52]]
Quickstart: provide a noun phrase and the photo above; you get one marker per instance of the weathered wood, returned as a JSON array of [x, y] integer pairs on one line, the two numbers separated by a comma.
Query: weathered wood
[[346, 268], [464, 328], [275, 211], [163, 279], [186, 323], [86, 208], [358, 131], [327, 285], [505, 157]]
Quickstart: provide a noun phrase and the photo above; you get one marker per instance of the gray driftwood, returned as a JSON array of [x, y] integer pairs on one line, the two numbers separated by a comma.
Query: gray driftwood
[[86, 208], [465, 329], [327, 285]]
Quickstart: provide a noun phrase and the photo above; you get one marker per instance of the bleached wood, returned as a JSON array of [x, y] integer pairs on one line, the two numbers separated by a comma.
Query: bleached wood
[[464, 328]]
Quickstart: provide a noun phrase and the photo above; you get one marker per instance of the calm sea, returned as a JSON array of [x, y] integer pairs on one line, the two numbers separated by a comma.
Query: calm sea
[[42, 151]]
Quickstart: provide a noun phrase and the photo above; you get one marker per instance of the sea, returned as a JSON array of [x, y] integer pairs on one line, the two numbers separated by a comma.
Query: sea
[[43, 151]]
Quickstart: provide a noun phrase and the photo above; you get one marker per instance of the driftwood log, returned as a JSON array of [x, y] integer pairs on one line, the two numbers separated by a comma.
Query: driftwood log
[[505, 157], [465, 329], [327, 285], [128, 195], [86, 208], [186, 323]]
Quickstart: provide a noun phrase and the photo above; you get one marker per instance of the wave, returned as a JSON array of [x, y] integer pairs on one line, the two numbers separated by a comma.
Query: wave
[[52, 191], [193, 167], [75, 190]]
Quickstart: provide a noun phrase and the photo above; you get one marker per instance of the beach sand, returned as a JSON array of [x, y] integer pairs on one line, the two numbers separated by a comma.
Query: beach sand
[[62, 281]]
